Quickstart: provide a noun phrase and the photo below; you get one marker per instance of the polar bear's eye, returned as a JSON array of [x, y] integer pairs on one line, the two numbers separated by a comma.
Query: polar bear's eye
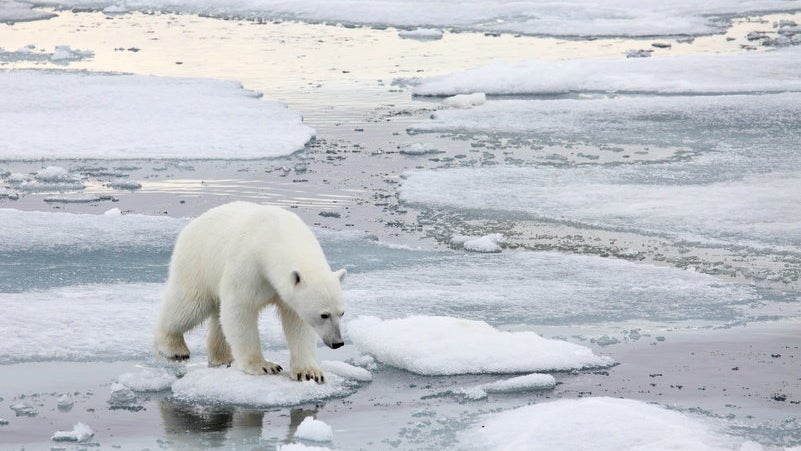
[[325, 316]]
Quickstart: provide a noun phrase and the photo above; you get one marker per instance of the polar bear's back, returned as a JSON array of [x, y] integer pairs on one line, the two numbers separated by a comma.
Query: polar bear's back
[[255, 237]]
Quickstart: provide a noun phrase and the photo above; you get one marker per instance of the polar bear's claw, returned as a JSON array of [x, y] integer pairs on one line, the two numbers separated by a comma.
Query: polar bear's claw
[[309, 374]]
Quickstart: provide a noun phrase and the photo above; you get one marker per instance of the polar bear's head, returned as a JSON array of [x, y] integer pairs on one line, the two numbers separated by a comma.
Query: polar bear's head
[[317, 299]]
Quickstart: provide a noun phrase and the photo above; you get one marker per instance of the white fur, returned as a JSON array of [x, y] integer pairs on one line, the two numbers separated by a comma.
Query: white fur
[[231, 262]]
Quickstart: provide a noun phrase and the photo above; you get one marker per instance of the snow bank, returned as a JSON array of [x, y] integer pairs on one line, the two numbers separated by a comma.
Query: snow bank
[[80, 115], [232, 386], [79, 433], [761, 211], [314, 430], [597, 424], [560, 17], [438, 345], [772, 71], [529, 382]]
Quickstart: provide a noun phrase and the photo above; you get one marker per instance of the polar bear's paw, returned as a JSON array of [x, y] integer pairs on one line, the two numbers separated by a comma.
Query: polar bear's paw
[[172, 346], [262, 367], [309, 373]]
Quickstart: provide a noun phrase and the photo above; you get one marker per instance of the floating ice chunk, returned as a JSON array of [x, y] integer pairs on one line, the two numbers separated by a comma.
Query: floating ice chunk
[[419, 149], [54, 174], [13, 11], [64, 54], [529, 382], [314, 430], [113, 212], [485, 244], [68, 115], [602, 424], [460, 346], [35, 186], [365, 361], [347, 371], [65, 402], [23, 409], [639, 53], [77, 198], [17, 178], [3, 422], [774, 71], [465, 100], [232, 386], [79, 433], [148, 379], [421, 34], [121, 395], [125, 185]]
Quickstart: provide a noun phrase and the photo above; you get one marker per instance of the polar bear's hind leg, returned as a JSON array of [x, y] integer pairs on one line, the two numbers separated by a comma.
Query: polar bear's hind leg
[[179, 314]]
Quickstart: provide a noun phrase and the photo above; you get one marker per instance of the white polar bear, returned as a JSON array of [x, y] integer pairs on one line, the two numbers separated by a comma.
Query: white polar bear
[[231, 262]]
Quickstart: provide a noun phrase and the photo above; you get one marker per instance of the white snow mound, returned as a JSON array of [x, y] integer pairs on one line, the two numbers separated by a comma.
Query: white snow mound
[[314, 430], [597, 424], [232, 386], [440, 345]]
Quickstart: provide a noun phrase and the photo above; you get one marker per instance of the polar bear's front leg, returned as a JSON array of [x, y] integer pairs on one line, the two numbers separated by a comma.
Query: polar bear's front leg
[[301, 340], [240, 325]]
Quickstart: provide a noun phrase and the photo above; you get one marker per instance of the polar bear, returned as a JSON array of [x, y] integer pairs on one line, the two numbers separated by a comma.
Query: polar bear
[[231, 262]]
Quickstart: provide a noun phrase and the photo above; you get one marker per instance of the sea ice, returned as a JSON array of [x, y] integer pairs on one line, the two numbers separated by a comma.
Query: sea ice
[[54, 174], [84, 115], [148, 379], [121, 395], [762, 211], [23, 409], [465, 100], [232, 386], [419, 149], [347, 371], [597, 424], [61, 55], [79, 433], [65, 402], [301, 447], [314, 430], [772, 71], [421, 34], [486, 244], [13, 11], [529, 382], [460, 346], [561, 18]]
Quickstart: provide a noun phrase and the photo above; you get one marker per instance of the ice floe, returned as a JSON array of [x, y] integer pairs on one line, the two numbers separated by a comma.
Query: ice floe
[[598, 424], [487, 244], [232, 386], [465, 100], [82, 115], [421, 34], [758, 210], [79, 433], [438, 345], [61, 55], [419, 149], [529, 382], [347, 371], [314, 430], [13, 11], [148, 379], [772, 71], [561, 18]]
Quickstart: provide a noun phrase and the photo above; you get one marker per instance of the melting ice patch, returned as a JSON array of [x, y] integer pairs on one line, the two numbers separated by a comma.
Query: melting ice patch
[[773, 71], [545, 288], [232, 386], [438, 345], [597, 424], [529, 382], [148, 379], [761, 211], [80, 115], [561, 17], [12, 11]]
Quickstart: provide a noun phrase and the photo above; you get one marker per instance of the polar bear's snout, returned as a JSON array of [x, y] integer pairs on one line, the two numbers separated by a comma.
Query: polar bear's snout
[[329, 331], [337, 345]]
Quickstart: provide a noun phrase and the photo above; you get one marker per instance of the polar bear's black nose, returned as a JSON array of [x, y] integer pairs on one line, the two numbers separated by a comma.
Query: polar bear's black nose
[[337, 345]]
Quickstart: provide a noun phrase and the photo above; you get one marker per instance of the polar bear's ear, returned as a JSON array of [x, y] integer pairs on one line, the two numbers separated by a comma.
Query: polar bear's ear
[[296, 277], [341, 274]]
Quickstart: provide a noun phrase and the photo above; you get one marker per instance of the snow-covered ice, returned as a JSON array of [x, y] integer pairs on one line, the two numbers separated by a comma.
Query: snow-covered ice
[[83, 115], [438, 345], [465, 100], [13, 11], [561, 17], [314, 430], [148, 379], [61, 55], [772, 71], [487, 244], [758, 210], [598, 424], [347, 371], [421, 34], [419, 149], [79, 433], [232, 386], [121, 395], [529, 382]]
